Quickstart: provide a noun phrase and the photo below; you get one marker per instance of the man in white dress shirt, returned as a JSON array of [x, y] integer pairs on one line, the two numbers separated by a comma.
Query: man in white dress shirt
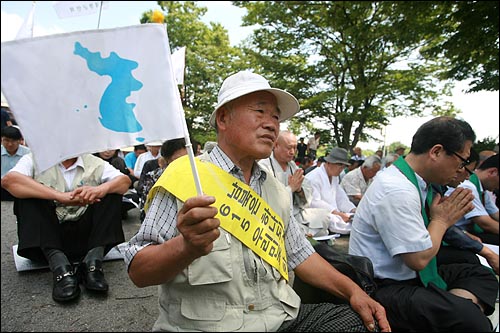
[[152, 153]]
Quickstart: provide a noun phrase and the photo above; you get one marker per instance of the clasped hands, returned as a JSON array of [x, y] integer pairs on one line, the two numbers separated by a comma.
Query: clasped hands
[[450, 209], [81, 196]]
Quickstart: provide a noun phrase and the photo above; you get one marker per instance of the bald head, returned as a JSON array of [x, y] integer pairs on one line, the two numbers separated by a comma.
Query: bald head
[[285, 147], [286, 136]]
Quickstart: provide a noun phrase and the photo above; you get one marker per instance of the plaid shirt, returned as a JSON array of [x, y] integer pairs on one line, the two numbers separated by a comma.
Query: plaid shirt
[[160, 223]]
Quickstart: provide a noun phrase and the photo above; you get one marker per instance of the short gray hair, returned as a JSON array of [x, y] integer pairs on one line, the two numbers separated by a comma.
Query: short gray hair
[[390, 158], [371, 161]]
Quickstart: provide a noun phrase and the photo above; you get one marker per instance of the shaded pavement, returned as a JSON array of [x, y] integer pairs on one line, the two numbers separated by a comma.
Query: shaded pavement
[[27, 304]]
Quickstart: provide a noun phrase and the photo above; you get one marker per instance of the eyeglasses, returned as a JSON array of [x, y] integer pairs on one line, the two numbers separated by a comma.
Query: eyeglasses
[[464, 163]]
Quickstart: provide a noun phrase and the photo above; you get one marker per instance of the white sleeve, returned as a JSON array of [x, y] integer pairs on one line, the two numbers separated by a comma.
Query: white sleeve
[[343, 203], [109, 172], [24, 166], [489, 203], [479, 209], [348, 184], [139, 164], [316, 197]]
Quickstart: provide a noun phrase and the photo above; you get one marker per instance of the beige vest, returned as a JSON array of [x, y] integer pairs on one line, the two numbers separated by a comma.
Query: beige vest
[[90, 176], [230, 289]]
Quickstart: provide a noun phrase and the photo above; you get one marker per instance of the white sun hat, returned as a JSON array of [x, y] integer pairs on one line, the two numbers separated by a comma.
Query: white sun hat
[[246, 82]]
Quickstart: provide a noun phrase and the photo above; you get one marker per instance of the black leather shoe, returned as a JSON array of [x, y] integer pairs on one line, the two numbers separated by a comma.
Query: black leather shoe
[[66, 286], [93, 276]]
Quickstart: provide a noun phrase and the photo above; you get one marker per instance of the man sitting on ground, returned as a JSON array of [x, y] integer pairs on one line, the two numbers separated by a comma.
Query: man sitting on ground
[[482, 221], [399, 225], [327, 192], [357, 181], [69, 212], [221, 258], [280, 164]]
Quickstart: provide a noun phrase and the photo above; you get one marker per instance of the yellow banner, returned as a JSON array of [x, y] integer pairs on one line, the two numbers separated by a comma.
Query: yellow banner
[[241, 211]]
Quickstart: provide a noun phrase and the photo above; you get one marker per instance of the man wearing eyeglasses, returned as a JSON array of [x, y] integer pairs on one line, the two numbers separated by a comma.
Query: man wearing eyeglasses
[[482, 221], [400, 226], [460, 246]]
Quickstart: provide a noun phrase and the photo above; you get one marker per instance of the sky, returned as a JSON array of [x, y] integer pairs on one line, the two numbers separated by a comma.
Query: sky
[[480, 109]]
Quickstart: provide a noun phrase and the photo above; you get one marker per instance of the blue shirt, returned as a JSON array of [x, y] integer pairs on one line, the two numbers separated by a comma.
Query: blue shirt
[[9, 161], [130, 160], [480, 209]]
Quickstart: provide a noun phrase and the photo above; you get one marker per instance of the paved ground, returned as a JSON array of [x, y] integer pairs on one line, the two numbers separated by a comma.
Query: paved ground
[[27, 304]]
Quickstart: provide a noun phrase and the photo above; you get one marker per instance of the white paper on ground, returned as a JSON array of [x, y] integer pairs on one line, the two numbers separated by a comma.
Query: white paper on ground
[[24, 264], [483, 261], [326, 237]]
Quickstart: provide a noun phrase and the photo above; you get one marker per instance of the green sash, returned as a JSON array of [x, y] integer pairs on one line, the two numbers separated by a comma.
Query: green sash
[[475, 180], [429, 273]]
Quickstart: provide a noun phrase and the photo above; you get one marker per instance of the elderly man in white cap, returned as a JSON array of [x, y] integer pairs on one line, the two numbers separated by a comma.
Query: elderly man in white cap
[[222, 259], [327, 192]]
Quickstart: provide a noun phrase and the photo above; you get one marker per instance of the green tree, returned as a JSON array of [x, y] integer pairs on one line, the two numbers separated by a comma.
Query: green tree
[[465, 35], [487, 143], [353, 65], [209, 59], [395, 145]]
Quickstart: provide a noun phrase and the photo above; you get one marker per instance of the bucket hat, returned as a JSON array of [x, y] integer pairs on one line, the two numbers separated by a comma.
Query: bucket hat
[[246, 82], [337, 155]]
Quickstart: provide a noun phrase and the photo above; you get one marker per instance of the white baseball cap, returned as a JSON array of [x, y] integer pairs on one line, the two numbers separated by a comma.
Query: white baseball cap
[[154, 143], [246, 82]]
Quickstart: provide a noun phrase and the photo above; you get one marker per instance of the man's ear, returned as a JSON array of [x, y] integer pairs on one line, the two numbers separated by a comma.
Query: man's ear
[[435, 151], [221, 117], [492, 172]]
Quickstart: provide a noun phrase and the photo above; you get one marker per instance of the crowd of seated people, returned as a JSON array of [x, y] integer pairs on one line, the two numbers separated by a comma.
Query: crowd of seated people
[[85, 206]]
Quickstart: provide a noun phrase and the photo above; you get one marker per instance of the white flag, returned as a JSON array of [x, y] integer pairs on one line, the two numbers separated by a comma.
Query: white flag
[[66, 9], [89, 91], [26, 30], [178, 63]]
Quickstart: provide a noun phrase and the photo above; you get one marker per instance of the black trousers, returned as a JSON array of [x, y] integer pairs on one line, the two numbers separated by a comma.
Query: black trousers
[[411, 307], [453, 255], [6, 196], [38, 227]]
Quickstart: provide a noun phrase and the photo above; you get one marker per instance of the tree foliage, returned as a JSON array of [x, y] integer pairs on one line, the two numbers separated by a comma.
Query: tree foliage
[[209, 59], [487, 143], [353, 65], [465, 36]]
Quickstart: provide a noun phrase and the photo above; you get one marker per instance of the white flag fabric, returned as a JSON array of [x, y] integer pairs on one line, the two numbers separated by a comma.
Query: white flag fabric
[[26, 30], [178, 63], [90, 91], [65, 9]]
